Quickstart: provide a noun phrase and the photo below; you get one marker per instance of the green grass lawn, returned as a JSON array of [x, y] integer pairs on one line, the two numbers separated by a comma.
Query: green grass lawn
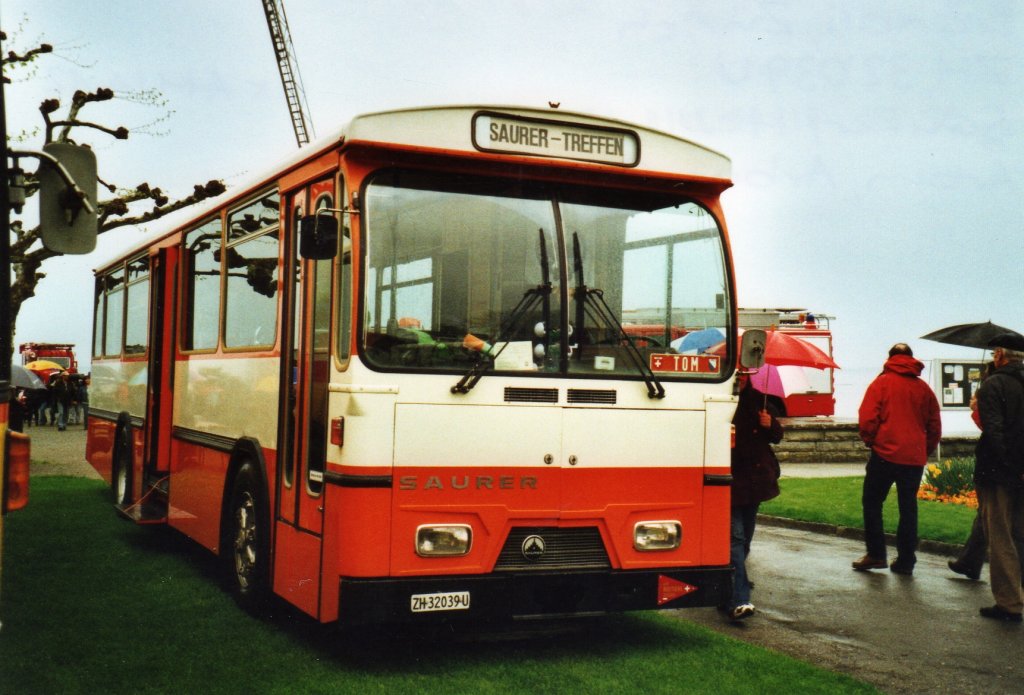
[[837, 501], [94, 604]]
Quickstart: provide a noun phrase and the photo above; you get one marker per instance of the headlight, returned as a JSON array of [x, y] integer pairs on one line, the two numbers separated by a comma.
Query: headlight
[[434, 541], [657, 535]]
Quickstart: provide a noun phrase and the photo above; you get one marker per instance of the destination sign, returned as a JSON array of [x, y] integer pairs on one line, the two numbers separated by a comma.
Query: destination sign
[[685, 364], [494, 132]]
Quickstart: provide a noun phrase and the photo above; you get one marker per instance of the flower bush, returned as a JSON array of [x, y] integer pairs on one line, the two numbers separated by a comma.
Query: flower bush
[[950, 481]]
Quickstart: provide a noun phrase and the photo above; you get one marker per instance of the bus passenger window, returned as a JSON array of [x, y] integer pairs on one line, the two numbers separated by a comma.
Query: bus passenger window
[[115, 313], [99, 320], [250, 302], [202, 277], [136, 327]]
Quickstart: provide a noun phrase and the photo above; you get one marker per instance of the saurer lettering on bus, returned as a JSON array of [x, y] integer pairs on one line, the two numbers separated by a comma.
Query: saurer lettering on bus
[[464, 482], [537, 136], [532, 136]]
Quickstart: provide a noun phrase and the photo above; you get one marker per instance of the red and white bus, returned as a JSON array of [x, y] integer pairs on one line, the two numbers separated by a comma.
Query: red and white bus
[[389, 382]]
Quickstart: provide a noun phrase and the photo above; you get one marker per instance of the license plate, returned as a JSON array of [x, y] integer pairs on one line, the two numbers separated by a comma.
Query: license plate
[[447, 601]]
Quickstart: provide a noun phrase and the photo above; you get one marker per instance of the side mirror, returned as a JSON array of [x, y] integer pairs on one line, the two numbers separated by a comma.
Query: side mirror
[[318, 236], [752, 349], [67, 199]]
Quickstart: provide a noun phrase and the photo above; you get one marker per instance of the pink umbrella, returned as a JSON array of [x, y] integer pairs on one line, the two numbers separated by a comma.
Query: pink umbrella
[[781, 381]]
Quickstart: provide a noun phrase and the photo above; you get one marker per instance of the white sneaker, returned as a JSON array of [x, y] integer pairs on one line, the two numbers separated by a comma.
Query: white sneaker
[[742, 611]]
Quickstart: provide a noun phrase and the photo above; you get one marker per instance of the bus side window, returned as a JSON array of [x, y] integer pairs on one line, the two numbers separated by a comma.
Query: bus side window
[[200, 324], [251, 303], [136, 328], [99, 317], [115, 313], [253, 269]]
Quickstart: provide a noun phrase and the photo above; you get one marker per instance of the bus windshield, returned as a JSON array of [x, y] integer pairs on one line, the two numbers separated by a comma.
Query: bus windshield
[[534, 277]]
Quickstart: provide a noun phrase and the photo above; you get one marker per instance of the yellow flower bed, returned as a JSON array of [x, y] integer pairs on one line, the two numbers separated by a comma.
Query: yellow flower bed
[[951, 481]]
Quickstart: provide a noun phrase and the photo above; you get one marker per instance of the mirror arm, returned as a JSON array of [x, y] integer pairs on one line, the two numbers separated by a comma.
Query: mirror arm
[[64, 174]]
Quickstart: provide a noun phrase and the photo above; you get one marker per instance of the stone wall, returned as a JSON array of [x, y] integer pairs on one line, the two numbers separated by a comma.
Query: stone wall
[[828, 440], [820, 440]]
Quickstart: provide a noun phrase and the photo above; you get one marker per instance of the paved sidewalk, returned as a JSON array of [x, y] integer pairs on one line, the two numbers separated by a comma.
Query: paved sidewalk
[[905, 635], [59, 453], [822, 470]]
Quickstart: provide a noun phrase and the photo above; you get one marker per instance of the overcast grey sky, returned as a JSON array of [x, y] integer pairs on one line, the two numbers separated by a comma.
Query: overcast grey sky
[[876, 146]]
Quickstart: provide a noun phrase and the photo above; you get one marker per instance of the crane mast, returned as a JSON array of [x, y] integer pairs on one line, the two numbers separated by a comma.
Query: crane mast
[[294, 94]]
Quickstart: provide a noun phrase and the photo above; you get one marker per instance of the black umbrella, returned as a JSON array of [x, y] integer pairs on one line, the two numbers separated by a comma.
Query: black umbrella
[[22, 378], [1010, 340], [974, 335]]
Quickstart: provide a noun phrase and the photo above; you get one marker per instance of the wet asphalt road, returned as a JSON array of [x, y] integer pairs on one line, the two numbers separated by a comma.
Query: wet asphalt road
[[919, 634]]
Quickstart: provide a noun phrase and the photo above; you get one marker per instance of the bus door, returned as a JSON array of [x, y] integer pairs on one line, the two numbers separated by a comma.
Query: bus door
[[305, 375], [160, 366]]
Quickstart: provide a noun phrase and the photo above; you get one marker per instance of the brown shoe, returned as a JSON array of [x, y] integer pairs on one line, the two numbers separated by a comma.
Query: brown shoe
[[869, 563]]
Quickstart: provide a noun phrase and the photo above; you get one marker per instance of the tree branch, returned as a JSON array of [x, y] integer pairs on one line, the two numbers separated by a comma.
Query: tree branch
[[116, 207], [199, 193], [80, 99], [119, 133], [28, 56]]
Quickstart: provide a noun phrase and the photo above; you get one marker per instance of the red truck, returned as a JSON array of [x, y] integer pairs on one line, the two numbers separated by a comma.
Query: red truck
[[818, 398], [62, 354]]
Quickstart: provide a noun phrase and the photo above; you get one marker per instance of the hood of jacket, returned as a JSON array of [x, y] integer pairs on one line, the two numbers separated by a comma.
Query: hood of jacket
[[905, 365]]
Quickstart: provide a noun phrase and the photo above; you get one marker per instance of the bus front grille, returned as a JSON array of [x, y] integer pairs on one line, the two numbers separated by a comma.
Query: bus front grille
[[523, 395], [600, 396], [547, 548]]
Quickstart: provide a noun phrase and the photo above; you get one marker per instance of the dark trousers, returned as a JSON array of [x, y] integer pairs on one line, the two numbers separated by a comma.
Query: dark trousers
[[879, 477], [972, 557]]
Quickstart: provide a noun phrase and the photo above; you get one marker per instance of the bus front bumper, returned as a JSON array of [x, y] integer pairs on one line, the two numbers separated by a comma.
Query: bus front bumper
[[511, 596]]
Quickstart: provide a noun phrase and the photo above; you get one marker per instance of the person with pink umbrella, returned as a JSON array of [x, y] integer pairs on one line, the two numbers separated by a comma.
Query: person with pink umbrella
[[755, 479]]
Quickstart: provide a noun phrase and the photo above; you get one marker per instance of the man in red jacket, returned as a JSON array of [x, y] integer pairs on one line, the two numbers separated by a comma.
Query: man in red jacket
[[899, 420]]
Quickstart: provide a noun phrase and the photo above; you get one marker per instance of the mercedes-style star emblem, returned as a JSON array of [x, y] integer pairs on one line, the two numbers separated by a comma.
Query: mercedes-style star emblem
[[533, 548]]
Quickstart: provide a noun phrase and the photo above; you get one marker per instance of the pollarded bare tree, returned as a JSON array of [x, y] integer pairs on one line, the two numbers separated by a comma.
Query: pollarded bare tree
[[123, 207]]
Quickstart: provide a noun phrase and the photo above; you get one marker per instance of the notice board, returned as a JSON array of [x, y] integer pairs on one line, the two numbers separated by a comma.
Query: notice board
[[956, 381]]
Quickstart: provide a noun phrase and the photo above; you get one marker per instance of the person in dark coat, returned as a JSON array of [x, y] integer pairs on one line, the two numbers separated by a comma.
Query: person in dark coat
[[82, 394], [999, 474], [972, 556], [62, 396], [35, 403], [755, 479], [16, 410]]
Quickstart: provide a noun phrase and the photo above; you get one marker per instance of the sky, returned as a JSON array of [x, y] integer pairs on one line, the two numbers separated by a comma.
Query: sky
[[876, 145]]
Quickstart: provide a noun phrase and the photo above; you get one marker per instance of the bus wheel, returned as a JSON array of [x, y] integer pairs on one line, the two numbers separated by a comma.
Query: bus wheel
[[246, 547], [121, 480]]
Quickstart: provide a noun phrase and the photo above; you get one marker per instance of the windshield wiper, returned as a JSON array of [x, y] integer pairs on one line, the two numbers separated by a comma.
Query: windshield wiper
[[541, 293], [590, 302]]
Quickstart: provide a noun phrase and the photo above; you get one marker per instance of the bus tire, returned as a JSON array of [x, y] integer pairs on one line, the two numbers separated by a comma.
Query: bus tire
[[121, 477], [246, 546]]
